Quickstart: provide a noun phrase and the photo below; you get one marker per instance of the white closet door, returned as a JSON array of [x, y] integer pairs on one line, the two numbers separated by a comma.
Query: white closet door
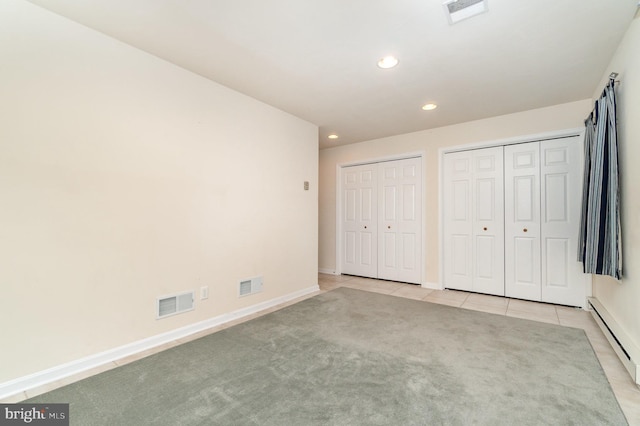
[[399, 220], [474, 221], [488, 221], [522, 221], [360, 220], [511, 221], [562, 281], [458, 254]]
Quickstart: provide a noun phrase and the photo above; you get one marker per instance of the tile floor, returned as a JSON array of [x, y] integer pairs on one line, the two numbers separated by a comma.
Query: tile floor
[[626, 391]]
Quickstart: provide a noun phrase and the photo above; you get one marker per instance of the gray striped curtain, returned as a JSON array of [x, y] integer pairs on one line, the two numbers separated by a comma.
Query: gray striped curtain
[[599, 245]]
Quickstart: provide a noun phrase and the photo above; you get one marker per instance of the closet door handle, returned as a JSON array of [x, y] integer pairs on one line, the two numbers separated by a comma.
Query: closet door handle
[[524, 230], [484, 229], [365, 227], [389, 227]]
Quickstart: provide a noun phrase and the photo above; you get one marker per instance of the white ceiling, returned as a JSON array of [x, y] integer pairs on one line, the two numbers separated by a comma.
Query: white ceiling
[[316, 59]]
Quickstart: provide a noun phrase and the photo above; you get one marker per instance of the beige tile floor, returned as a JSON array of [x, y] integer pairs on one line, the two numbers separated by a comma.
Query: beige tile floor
[[626, 391]]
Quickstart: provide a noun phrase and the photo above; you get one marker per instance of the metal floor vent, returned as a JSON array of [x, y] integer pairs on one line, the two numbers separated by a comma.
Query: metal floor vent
[[250, 286], [176, 304], [457, 10]]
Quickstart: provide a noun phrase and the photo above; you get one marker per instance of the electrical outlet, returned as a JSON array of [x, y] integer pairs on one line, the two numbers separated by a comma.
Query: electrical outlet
[[204, 292]]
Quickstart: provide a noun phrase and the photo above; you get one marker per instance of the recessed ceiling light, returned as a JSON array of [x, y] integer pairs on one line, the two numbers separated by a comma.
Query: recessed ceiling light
[[429, 107], [388, 62], [333, 136]]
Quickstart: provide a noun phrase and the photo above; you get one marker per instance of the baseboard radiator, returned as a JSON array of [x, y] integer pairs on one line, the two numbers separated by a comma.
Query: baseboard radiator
[[620, 341]]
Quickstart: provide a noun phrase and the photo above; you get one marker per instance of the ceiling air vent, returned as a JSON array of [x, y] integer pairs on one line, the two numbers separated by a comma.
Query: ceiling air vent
[[171, 305], [457, 10]]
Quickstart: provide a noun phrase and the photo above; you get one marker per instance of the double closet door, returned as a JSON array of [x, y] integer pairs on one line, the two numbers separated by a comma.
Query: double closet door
[[474, 221], [542, 212], [381, 220], [533, 198]]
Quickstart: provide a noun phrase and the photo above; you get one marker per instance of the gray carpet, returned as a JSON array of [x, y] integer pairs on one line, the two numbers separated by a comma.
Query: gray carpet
[[350, 357]]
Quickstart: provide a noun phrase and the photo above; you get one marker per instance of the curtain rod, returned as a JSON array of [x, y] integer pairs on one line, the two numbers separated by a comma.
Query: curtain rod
[[613, 77]]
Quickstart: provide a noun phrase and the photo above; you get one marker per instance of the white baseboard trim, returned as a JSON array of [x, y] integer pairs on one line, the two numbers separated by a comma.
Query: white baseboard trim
[[59, 372], [622, 344], [327, 271], [432, 286]]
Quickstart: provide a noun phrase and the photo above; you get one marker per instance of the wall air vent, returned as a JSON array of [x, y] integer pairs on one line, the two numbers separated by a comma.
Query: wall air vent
[[457, 10], [250, 286], [175, 304]]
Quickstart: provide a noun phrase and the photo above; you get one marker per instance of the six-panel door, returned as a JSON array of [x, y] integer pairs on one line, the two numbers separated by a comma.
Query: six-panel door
[[360, 220], [562, 279], [399, 220], [540, 223], [488, 221], [458, 224], [474, 221], [382, 220], [522, 221]]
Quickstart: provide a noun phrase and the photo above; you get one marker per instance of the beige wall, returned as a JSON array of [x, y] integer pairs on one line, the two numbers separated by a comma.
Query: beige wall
[[622, 299], [123, 178], [556, 118]]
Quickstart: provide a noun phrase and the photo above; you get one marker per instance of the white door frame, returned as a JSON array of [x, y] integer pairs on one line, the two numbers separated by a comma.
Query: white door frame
[[485, 144], [341, 166]]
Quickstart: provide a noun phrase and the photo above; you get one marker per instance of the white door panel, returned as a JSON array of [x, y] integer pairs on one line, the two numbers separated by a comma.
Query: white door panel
[[381, 220], [367, 204], [350, 248], [557, 257], [460, 198], [461, 262], [409, 244], [458, 235], [409, 202], [488, 223], [511, 221], [360, 221], [563, 281], [485, 195], [473, 211], [485, 252], [525, 273], [556, 192], [389, 250], [522, 221], [400, 223], [524, 202], [366, 249]]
